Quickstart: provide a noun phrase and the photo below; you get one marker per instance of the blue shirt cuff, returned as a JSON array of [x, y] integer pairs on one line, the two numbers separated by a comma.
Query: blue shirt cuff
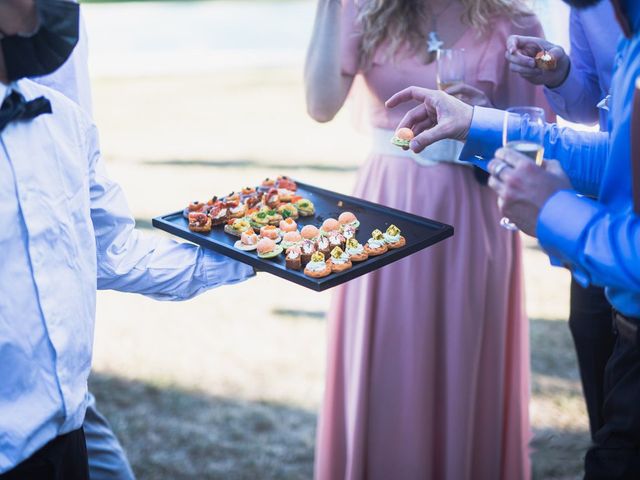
[[484, 137], [561, 224], [566, 93], [221, 270]]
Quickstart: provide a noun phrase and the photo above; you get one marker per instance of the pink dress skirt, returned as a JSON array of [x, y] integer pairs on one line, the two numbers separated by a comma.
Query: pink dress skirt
[[428, 357]]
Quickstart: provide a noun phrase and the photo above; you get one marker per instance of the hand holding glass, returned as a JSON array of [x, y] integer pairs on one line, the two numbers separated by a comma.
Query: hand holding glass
[[523, 131]]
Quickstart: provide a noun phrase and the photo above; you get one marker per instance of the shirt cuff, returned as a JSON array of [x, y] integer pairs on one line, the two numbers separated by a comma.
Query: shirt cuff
[[566, 93], [561, 224], [484, 137], [221, 270]]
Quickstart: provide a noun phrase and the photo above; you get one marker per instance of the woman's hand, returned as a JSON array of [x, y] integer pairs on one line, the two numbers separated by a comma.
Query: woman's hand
[[469, 95]]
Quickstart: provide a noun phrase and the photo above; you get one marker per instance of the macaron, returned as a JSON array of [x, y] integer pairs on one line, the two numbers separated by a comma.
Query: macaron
[[249, 237], [266, 245], [288, 225], [330, 225], [269, 231], [403, 137], [267, 248], [309, 232], [292, 237], [348, 219], [248, 241]]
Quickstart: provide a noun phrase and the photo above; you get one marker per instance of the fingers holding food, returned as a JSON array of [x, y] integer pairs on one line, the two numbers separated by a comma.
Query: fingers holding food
[[545, 61], [403, 137]]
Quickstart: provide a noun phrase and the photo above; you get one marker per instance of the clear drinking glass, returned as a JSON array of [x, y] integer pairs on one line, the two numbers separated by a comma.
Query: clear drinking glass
[[523, 131], [450, 67]]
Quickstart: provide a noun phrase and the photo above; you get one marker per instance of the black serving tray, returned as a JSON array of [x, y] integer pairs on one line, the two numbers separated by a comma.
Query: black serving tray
[[419, 233]]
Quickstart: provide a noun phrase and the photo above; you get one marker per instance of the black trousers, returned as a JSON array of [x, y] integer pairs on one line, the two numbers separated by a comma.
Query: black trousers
[[615, 453], [63, 458], [592, 332]]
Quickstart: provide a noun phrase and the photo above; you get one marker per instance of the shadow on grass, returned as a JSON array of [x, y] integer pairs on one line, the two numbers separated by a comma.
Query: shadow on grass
[[174, 433], [559, 454], [144, 224], [552, 349], [178, 434], [251, 164], [299, 314], [533, 246]]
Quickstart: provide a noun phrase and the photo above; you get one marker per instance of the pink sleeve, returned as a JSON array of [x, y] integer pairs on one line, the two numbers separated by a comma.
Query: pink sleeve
[[510, 89], [350, 39]]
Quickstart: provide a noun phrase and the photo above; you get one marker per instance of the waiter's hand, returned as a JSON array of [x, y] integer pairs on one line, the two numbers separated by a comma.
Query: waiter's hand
[[439, 116], [523, 187], [521, 52]]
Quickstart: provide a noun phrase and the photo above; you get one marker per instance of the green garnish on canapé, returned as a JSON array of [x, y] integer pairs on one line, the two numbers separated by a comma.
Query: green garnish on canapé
[[402, 137], [400, 142], [393, 231], [277, 251], [352, 243], [377, 235], [286, 213], [261, 215]]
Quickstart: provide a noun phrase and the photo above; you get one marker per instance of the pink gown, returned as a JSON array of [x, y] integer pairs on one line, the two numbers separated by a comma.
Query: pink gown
[[428, 358]]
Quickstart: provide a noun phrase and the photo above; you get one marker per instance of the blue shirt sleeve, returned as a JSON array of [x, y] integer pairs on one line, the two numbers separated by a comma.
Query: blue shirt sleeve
[[582, 154], [577, 97], [599, 245]]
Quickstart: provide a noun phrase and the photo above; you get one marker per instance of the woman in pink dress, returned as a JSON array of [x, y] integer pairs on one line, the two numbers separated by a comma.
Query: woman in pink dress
[[428, 359]]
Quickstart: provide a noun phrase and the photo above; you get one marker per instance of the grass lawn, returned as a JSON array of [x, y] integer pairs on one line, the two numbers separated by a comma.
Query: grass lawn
[[227, 386]]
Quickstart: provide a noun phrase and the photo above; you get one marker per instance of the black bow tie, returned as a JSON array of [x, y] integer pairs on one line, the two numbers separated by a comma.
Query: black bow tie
[[15, 108]]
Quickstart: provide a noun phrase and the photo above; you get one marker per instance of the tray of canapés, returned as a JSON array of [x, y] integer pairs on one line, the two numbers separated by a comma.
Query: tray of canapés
[[311, 236]]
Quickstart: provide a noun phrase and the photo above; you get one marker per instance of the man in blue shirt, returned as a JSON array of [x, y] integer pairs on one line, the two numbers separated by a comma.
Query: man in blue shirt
[[575, 89], [598, 240]]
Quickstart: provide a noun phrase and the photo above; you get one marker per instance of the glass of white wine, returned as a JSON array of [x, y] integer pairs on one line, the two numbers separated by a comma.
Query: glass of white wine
[[523, 131], [450, 67]]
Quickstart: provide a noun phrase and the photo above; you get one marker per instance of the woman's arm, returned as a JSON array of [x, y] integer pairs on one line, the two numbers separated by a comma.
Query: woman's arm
[[327, 84]]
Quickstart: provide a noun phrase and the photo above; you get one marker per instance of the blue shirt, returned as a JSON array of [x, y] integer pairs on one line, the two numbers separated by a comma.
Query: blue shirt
[[65, 230], [598, 240], [594, 36]]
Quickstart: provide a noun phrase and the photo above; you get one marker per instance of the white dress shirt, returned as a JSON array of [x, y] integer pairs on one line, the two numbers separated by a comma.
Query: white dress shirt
[[65, 230]]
